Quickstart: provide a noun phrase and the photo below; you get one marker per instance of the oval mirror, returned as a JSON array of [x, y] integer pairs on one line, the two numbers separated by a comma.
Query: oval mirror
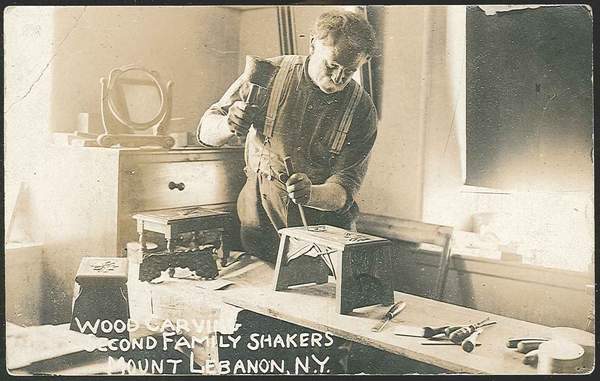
[[136, 98]]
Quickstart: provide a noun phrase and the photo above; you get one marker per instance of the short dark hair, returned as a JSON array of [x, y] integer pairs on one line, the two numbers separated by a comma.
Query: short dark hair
[[349, 25]]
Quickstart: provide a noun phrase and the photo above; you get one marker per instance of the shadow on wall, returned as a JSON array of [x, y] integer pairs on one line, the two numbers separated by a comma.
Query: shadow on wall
[[393, 184], [376, 16]]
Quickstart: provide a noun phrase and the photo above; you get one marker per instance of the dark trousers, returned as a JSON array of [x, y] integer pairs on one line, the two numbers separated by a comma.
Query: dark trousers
[[264, 207]]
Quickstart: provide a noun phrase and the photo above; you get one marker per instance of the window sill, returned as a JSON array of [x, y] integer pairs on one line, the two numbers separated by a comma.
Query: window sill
[[519, 271], [475, 189]]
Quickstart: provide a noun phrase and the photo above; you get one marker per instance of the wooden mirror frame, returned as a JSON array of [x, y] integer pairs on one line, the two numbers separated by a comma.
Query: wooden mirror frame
[[122, 131]]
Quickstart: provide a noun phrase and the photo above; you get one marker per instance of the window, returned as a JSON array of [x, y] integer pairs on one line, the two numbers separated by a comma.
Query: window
[[529, 99]]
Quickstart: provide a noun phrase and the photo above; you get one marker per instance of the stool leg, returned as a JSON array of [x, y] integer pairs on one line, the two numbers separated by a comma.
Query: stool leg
[[142, 240], [170, 237], [143, 243], [386, 276], [225, 247], [194, 241], [343, 286], [280, 266], [170, 245]]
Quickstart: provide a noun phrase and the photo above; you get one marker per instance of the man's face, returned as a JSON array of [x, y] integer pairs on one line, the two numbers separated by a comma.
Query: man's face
[[332, 64]]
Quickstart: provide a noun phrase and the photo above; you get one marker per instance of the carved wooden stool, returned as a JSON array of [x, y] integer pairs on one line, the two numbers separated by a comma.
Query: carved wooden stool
[[194, 220], [360, 263], [101, 294]]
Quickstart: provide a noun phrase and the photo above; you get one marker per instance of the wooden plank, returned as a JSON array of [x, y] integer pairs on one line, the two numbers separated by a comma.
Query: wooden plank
[[404, 230], [331, 236], [470, 264], [171, 215], [143, 155]]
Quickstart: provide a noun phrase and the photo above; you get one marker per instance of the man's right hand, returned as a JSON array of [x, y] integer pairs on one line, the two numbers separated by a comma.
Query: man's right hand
[[240, 117]]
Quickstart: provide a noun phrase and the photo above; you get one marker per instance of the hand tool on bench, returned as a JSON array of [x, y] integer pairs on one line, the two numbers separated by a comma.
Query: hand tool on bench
[[448, 331], [414, 331], [434, 342], [531, 358], [513, 342], [470, 342], [526, 346], [459, 335], [393, 312]]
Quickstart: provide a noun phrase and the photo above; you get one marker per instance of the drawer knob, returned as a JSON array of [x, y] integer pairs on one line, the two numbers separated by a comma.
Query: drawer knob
[[173, 185]]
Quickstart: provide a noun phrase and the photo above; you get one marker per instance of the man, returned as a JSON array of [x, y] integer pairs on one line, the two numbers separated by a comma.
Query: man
[[322, 119]]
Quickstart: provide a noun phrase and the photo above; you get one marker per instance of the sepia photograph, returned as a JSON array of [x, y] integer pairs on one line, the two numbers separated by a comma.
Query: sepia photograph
[[223, 190]]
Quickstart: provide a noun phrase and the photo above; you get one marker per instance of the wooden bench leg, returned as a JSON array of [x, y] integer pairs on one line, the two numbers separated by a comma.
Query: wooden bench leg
[[442, 271]]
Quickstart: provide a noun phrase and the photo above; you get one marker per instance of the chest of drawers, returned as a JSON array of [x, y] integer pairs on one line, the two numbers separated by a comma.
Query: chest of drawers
[[169, 179]]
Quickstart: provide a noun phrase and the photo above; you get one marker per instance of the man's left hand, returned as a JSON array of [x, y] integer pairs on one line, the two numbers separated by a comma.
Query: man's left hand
[[299, 188]]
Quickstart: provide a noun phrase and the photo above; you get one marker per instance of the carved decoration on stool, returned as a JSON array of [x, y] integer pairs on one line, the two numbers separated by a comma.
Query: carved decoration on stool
[[200, 261]]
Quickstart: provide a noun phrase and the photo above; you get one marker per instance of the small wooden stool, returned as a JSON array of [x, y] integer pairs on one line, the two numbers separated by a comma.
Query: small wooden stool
[[101, 294], [175, 221], [362, 269]]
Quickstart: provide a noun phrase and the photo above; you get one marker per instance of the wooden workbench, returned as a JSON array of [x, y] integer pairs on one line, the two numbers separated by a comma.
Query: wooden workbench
[[314, 307]]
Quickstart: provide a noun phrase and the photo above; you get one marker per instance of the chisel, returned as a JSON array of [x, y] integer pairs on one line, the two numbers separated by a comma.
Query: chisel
[[414, 331], [513, 342], [290, 171], [442, 343], [393, 312]]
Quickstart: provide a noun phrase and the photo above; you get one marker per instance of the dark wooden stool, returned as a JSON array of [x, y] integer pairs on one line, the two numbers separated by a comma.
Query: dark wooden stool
[[195, 220], [361, 264], [101, 294]]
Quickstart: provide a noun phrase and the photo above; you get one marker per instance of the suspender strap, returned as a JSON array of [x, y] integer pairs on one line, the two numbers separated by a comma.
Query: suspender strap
[[280, 84], [339, 136]]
